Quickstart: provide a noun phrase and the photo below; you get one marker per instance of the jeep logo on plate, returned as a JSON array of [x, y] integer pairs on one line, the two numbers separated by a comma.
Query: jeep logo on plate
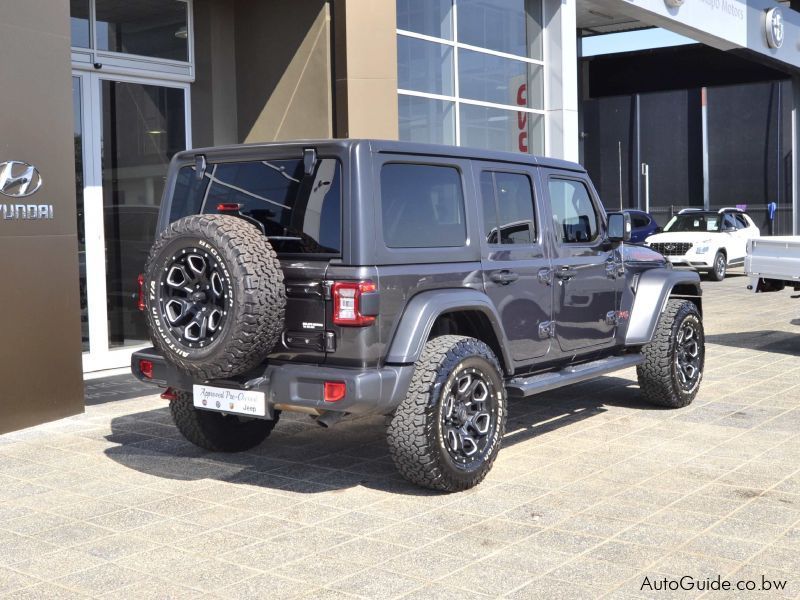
[[19, 179]]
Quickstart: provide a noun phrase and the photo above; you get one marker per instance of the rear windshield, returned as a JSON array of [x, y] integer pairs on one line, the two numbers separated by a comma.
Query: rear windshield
[[300, 214]]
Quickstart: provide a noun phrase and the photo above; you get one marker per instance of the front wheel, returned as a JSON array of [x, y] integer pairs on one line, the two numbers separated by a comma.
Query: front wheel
[[672, 371], [446, 433], [717, 273], [216, 431]]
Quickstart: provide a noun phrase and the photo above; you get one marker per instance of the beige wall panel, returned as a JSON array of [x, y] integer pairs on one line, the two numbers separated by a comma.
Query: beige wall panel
[[40, 355], [283, 70]]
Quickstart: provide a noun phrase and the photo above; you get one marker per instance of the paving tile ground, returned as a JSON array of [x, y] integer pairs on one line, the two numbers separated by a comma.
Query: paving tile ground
[[593, 492]]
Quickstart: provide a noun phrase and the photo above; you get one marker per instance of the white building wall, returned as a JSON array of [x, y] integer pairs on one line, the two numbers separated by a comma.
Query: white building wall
[[561, 79]]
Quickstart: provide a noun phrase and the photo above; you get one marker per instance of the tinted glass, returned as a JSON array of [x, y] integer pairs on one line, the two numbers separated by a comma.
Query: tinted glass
[[500, 129], [576, 220], [515, 208], [426, 120], [740, 222], [638, 220], [79, 23], [728, 222], [143, 126], [499, 80], [422, 206], [157, 28], [694, 222], [431, 17], [299, 214], [424, 66], [489, 207], [511, 26], [77, 115]]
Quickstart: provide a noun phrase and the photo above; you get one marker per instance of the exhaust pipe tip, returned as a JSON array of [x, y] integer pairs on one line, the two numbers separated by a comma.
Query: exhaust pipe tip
[[329, 418]]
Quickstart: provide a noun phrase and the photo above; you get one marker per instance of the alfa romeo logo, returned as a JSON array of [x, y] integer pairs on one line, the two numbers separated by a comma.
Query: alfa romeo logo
[[19, 179], [773, 27]]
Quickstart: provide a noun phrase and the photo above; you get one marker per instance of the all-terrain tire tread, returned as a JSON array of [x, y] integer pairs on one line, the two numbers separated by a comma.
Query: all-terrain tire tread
[[656, 374], [411, 432]]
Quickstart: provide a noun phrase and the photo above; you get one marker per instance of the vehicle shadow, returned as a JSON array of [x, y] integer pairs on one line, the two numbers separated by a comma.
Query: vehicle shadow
[[303, 457], [780, 342]]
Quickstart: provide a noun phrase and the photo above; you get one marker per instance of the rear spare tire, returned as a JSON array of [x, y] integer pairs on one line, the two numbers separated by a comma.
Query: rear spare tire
[[214, 295]]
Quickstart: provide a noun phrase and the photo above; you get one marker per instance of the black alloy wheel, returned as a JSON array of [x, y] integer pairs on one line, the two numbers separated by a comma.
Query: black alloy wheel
[[688, 356], [467, 416], [193, 296]]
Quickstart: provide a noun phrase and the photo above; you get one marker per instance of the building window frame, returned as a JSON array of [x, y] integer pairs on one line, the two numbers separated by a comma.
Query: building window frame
[[121, 63], [456, 98]]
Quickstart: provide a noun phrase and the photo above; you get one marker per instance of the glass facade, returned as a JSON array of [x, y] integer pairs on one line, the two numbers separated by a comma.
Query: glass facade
[[470, 73]]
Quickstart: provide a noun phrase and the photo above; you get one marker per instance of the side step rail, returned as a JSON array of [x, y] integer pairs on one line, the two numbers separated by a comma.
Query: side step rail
[[520, 387]]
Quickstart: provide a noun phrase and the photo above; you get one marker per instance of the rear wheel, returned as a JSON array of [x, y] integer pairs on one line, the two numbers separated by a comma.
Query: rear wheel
[[446, 433], [216, 431], [717, 273], [674, 360]]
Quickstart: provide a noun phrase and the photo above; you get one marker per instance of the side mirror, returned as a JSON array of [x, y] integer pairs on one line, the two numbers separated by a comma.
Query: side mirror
[[619, 227]]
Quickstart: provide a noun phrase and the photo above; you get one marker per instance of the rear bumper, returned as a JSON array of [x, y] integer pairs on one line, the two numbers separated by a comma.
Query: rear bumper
[[298, 386]]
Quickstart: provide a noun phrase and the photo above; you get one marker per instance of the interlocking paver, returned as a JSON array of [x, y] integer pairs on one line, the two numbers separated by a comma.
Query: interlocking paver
[[592, 492]]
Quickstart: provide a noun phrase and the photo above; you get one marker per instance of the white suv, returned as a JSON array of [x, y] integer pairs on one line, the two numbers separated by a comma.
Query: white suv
[[707, 241]]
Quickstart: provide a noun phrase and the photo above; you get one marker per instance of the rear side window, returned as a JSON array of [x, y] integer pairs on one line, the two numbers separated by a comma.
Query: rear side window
[[741, 223], [299, 213], [573, 210], [639, 221], [507, 208], [422, 206]]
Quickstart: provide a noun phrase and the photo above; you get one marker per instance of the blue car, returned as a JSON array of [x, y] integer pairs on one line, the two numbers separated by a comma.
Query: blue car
[[644, 225]]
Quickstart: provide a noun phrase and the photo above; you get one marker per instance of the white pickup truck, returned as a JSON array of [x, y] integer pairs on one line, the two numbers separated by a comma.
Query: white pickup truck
[[773, 263]]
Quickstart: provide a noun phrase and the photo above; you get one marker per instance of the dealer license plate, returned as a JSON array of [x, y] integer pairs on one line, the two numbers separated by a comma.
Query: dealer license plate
[[240, 402]]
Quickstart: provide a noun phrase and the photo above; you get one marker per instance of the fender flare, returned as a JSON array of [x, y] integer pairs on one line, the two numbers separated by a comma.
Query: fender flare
[[652, 293], [417, 321]]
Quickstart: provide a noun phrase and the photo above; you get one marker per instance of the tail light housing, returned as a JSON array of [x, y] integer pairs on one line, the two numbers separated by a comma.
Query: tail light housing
[[140, 300], [349, 300], [146, 368], [334, 391]]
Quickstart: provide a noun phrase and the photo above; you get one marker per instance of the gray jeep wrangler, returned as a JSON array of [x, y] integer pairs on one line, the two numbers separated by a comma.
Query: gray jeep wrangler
[[422, 282]]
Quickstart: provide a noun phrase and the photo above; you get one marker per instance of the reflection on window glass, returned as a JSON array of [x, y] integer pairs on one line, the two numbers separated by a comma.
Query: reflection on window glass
[[499, 80], [156, 28], [489, 207], [299, 213], [426, 120], [143, 126], [79, 23], [574, 213], [431, 17], [422, 206], [515, 208], [424, 66], [511, 26], [500, 129]]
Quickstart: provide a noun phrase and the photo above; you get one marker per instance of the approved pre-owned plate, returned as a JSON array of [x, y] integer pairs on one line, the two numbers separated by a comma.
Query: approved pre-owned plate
[[240, 402]]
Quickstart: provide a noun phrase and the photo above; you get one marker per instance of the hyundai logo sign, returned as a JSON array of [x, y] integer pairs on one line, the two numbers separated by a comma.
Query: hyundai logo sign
[[773, 27], [19, 179]]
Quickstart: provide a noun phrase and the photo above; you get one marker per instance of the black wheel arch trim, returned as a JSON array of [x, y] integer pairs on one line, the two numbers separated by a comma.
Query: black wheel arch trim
[[654, 289], [415, 325]]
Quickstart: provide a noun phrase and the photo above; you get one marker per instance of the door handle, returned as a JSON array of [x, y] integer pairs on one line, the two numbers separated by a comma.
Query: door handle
[[504, 277], [566, 273]]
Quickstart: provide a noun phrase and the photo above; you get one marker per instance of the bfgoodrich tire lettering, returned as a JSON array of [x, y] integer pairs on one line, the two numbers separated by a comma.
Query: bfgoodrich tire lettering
[[672, 371], [239, 291], [421, 426], [215, 431]]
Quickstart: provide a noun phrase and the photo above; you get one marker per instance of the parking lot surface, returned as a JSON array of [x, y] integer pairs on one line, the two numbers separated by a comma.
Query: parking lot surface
[[594, 494]]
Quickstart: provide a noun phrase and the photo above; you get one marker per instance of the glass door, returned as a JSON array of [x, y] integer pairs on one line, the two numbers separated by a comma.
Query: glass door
[[127, 130]]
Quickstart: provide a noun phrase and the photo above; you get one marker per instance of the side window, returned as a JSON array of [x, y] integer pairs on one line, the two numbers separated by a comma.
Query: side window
[[639, 221], [573, 211], [508, 211], [741, 222], [728, 222], [422, 206]]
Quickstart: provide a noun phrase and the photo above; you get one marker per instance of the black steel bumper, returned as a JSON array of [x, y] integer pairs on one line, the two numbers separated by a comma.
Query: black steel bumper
[[299, 386]]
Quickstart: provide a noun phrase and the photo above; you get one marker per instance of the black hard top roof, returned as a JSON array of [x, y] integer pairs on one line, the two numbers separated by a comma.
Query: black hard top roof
[[394, 147]]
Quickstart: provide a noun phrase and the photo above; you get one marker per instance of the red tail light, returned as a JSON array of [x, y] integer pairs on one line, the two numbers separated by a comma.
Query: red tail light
[[334, 391], [228, 207], [140, 302], [146, 368], [347, 305]]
